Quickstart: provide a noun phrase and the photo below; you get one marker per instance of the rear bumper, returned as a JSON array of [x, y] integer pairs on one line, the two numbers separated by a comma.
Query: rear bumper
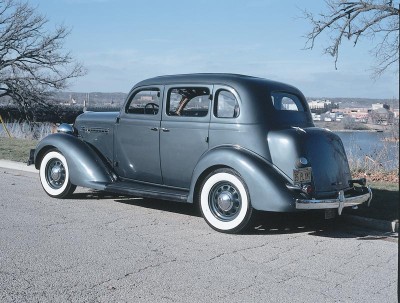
[[340, 202]]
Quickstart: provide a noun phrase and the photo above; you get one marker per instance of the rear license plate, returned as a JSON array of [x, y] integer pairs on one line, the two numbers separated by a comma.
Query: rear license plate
[[302, 175]]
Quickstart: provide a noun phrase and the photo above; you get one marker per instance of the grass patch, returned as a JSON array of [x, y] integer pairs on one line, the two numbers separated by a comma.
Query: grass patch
[[384, 204], [16, 149]]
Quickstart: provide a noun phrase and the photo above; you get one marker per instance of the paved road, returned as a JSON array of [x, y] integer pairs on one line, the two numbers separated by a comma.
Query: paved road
[[99, 248]]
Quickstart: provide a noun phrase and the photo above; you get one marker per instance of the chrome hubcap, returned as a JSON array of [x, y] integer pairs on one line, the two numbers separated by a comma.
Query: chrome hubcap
[[55, 173], [225, 201]]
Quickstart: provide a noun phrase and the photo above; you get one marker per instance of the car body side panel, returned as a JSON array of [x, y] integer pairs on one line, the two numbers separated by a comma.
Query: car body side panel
[[86, 167], [137, 149], [183, 140], [176, 162], [267, 187], [97, 129], [137, 141], [249, 135]]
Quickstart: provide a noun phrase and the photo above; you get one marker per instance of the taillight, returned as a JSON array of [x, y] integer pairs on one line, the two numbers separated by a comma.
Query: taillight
[[308, 189]]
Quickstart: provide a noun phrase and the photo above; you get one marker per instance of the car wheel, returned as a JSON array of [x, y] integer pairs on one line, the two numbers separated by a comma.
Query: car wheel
[[54, 175], [224, 201]]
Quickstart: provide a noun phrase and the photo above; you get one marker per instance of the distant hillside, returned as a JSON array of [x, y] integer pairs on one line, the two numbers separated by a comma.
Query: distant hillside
[[359, 102], [94, 98]]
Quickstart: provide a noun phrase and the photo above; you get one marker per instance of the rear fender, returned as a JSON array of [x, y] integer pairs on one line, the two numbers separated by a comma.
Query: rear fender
[[267, 187], [86, 167]]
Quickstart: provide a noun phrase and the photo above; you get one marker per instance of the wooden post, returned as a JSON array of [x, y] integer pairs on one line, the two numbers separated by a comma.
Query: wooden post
[[4, 126]]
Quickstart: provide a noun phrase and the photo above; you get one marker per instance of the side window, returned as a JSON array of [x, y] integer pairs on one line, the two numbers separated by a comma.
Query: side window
[[226, 105], [286, 101], [188, 101], [145, 102]]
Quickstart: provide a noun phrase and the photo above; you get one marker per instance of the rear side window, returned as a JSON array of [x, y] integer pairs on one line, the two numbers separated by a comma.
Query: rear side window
[[227, 105], [287, 102], [145, 102], [188, 101]]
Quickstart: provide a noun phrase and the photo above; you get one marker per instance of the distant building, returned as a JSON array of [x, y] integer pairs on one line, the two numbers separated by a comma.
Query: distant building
[[382, 116], [316, 117], [339, 116], [317, 104], [322, 106], [376, 106], [358, 114], [290, 106]]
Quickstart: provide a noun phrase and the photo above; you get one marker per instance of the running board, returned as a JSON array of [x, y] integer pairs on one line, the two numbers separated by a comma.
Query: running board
[[148, 191]]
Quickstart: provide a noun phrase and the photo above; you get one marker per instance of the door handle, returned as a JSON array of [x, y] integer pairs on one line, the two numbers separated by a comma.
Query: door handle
[[165, 129], [154, 129]]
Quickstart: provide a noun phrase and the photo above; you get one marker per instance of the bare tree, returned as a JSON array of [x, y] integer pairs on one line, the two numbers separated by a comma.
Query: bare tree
[[377, 20], [32, 61]]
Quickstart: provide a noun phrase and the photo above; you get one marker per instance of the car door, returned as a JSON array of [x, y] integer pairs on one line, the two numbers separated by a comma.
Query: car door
[[137, 145], [184, 131]]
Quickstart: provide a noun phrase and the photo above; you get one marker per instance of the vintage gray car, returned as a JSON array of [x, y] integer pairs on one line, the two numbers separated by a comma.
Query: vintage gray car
[[230, 143]]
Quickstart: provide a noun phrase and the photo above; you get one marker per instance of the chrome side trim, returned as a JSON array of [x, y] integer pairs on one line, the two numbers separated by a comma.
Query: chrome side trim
[[340, 202], [95, 130]]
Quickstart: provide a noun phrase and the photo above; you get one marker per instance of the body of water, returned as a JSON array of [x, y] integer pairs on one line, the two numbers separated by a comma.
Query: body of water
[[373, 148]]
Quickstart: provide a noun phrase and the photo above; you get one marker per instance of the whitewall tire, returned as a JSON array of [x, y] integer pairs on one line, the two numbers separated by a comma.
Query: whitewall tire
[[224, 201], [54, 175]]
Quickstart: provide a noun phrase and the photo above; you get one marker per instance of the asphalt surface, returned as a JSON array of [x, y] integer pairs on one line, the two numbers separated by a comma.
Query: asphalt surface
[[102, 248]]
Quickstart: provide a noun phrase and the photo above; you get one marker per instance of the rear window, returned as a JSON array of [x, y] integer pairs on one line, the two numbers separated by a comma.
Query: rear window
[[290, 110], [286, 102], [227, 105]]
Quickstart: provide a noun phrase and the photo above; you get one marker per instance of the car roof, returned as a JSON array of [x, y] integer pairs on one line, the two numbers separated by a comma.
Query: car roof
[[211, 78], [253, 91]]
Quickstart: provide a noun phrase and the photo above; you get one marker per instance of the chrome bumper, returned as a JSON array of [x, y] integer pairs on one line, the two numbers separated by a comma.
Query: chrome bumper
[[340, 202]]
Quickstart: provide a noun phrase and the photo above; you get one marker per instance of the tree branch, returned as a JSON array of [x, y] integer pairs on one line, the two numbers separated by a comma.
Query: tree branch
[[32, 61], [373, 19]]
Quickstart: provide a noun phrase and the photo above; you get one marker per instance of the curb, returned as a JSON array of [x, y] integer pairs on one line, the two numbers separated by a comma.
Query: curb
[[382, 225], [18, 166]]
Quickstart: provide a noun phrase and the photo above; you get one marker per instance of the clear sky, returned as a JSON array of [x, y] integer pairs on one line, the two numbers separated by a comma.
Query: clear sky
[[121, 42]]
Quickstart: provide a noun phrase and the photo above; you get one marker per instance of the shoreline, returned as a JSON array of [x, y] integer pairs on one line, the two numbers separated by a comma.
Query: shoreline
[[367, 127]]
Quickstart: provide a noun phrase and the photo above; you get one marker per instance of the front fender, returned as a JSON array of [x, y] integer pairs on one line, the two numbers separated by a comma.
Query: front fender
[[86, 168], [267, 186]]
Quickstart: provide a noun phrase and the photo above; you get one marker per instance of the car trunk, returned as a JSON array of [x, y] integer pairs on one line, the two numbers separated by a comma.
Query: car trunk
[[324, 152]]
